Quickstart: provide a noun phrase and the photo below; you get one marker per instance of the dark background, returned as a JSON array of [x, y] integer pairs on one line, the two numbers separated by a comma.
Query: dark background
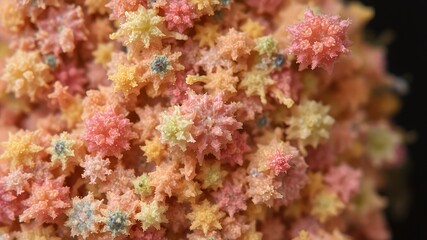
[[407, 54]]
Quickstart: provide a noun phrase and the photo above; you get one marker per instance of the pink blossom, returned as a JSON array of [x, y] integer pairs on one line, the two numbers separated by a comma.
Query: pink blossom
[[95, 168], [230, 198], [214, 123], [179, 15], [61, 29], [280, 160], [16, 180], [318, 40], [108, 133], [47, 201], [343, 180]]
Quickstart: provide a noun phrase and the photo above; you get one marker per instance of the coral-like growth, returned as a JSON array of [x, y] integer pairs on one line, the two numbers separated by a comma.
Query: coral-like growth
[[252, 28], [142, 26], [61, 149], [108, 134], [26, 74], [270, 161], [179, 15], [126, 201], [265, 6], [205, 216], [165, 179], [116, 222], [211, 175], [69, 105], [120, 7], [233, 228], [256, 82], [294, 180], [206, 34], [34, 9], [287, 84], [101, 100], [21, 148], [175, 127], [154, 150], [230, 198], [102, 53], [189, 119], [188, 191], [266, 45], [214, 123], [309, 123], [152, 215], [344, 180], [127, 80], [142, 185], [280, 162], [47, 201], [10, 204], [148, 120], [235, 44], [162, 68], [95, 167], [84, 217], [61, 29], [235, 150], [177, 92], [119, 181], [16, 180], [221, 81], [205, 6], [276, 156], [11, 18], [262, 188], [319, 40]]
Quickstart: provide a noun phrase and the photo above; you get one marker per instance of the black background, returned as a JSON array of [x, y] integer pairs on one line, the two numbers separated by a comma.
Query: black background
[[407, 55]]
